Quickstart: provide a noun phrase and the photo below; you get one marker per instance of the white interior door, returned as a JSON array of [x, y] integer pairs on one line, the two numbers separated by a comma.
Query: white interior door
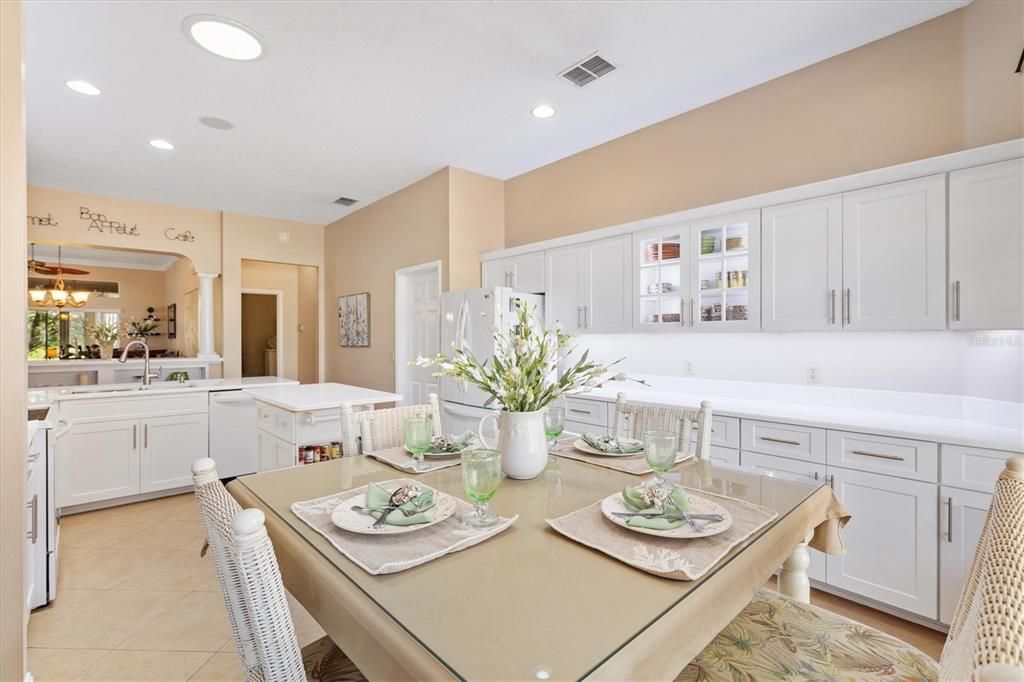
[[964, 513], [986, 246], [802, 258], [894, 256], [420, 332]]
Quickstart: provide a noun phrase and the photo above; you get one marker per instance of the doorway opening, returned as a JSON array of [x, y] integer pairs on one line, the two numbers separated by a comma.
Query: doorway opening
[[262, 337], [417, 329]]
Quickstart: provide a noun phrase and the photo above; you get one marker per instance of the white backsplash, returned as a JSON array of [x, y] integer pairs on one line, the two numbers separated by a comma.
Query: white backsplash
[[979, 364]]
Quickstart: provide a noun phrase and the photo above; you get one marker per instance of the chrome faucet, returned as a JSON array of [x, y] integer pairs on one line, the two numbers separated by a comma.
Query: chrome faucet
[[147, 377]]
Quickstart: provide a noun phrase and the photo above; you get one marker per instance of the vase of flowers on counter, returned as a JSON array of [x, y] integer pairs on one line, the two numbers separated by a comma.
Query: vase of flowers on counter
[[140, 329], [523, 378], [106, 336]]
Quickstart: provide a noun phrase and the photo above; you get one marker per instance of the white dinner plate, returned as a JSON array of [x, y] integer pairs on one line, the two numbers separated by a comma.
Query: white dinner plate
[[440, 455], [582, 446], [359, 522], [697, 505]]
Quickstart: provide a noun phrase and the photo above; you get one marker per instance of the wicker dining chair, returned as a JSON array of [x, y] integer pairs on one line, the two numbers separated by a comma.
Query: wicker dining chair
[[779, 638], [254, 596], [632, 419], [382, 429]]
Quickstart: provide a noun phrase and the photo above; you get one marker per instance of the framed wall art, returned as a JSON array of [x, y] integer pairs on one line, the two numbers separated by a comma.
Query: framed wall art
[[354, 320]]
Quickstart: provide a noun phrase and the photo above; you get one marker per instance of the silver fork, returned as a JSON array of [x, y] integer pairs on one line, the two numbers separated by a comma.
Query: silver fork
[[697, 527]]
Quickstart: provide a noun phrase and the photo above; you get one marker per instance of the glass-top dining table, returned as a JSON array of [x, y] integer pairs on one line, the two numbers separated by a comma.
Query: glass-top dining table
[[530, 603]]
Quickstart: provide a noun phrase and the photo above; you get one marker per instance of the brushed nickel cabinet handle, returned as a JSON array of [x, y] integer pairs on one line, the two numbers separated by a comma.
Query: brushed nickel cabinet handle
[[579, 317], [876, 454], [949, 520], [145, 435], [575, 411], [586, 316], [956, 300], [846, 307], [135, 440], [817, 475], [832, 481], [33, 534], [682, 312], [691, 312], [780, 440], [832, 316]]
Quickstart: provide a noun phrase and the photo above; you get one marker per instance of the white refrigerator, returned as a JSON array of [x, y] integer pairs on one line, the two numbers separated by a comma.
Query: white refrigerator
[[468, 320]]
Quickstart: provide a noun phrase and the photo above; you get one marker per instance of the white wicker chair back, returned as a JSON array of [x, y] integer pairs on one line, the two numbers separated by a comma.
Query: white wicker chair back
[[217, 508], [382, 429], [986, 636], [269, 617], [632, 419]]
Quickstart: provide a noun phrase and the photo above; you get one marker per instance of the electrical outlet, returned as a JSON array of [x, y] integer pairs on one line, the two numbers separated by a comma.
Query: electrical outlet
[[812, 375], [689, 369]]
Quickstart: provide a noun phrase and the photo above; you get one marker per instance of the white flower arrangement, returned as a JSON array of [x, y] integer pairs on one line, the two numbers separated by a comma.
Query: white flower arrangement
[[522, 375]]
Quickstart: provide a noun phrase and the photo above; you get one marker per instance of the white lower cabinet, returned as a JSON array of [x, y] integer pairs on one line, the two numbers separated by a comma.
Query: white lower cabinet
[[275, 453], [723, 455], [169, 446], [891, 543], [963, 516], [97, 461]]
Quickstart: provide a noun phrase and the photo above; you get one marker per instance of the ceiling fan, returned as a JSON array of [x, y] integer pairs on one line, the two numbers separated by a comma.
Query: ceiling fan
[[41, 268]]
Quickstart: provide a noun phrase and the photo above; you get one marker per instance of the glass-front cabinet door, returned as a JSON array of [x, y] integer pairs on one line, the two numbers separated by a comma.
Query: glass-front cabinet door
[[725, 273], [663, 287]]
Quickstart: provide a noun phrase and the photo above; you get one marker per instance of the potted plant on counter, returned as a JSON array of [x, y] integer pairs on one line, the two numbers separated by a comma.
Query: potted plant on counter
[[105, 335], [139, 329], [523, 379]]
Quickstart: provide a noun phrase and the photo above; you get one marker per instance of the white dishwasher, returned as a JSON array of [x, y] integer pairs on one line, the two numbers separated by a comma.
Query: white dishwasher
[[234, 444]]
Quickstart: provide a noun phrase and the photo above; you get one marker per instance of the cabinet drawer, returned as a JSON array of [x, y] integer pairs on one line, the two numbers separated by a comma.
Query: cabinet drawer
[[316, 427], [725, 431], [580, 428], [783, 465], [914, 459], [798, 442], [134, 403], [587, 411], [972, 468], [723, 455], [278, 422]]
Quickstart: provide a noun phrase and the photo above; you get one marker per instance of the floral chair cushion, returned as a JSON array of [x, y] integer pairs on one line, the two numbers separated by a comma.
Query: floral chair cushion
[[776, 638]]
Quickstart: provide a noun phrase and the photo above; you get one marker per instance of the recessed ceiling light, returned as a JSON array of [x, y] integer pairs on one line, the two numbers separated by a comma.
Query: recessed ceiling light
[[216, 123], [163, 145], [224, 37], [83, 87], [543, 111]]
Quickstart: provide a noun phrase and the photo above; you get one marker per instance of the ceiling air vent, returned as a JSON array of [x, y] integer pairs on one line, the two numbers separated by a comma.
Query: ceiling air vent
[[588, 70], [345, 201]]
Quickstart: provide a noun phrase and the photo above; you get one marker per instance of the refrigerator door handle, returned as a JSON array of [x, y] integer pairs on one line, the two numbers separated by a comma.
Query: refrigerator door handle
[[460, 333]]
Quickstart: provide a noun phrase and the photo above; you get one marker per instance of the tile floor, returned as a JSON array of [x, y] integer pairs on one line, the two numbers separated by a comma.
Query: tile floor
[[136, 602]]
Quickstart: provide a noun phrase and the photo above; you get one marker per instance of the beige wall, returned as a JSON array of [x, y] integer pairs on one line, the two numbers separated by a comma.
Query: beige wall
[[939, 87], [476, 224], [309, 324], [363, 250], [179, 279], [251, 238], [154, 223], [292, 281], [13, 243], [138, 290]]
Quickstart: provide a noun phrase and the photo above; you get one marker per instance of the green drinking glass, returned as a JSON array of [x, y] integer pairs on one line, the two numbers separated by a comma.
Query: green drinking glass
[[554, 424], [418, 431], [660, 451], [481, 476]]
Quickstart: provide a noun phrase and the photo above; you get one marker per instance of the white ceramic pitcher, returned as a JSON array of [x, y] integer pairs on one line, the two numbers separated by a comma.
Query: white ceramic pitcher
[[521, 441]]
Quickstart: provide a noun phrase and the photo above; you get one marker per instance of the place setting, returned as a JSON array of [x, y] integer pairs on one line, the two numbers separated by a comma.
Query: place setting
[[659, 526], [422, 451], [658, 450], [392, 525]]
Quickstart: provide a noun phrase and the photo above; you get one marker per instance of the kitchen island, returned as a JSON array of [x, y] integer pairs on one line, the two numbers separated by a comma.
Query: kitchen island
[[291, 418]]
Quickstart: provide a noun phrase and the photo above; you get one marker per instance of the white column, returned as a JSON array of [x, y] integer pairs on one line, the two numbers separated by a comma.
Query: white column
[[206, 315], [793, 580]]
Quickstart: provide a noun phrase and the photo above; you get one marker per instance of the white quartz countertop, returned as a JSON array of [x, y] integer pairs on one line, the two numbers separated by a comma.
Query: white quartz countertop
[[64, 365], [41, 398], [309, 397], [956, 420]]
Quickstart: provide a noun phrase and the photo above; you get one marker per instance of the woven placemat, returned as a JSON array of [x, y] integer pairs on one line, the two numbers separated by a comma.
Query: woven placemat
[[403, 461]]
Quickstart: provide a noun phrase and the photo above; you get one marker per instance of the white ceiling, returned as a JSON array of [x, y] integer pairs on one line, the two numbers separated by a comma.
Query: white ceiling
[[363, 98], [107, 258]]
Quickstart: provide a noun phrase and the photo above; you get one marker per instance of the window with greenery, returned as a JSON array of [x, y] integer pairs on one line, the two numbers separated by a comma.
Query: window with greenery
[[53, 333]]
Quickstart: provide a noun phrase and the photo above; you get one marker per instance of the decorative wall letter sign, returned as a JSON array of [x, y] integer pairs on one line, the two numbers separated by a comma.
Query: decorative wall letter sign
[[174, 235], [42, 221], [100, 223]]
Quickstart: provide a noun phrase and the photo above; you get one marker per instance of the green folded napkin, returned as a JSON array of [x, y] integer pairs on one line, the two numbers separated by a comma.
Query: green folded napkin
[[610, 444], [377, 498], [636, 500], [446, 443]]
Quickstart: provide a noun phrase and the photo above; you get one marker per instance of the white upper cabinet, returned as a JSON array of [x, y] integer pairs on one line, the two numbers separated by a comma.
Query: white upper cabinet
[[725, 272], [986, 246], [566, 275], [802, 259], [894, 256], [525, 273], [588, 286], [607, 306], [662, 291]]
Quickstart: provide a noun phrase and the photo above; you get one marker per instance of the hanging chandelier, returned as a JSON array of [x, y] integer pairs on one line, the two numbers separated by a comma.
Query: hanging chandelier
[[58, 296]]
